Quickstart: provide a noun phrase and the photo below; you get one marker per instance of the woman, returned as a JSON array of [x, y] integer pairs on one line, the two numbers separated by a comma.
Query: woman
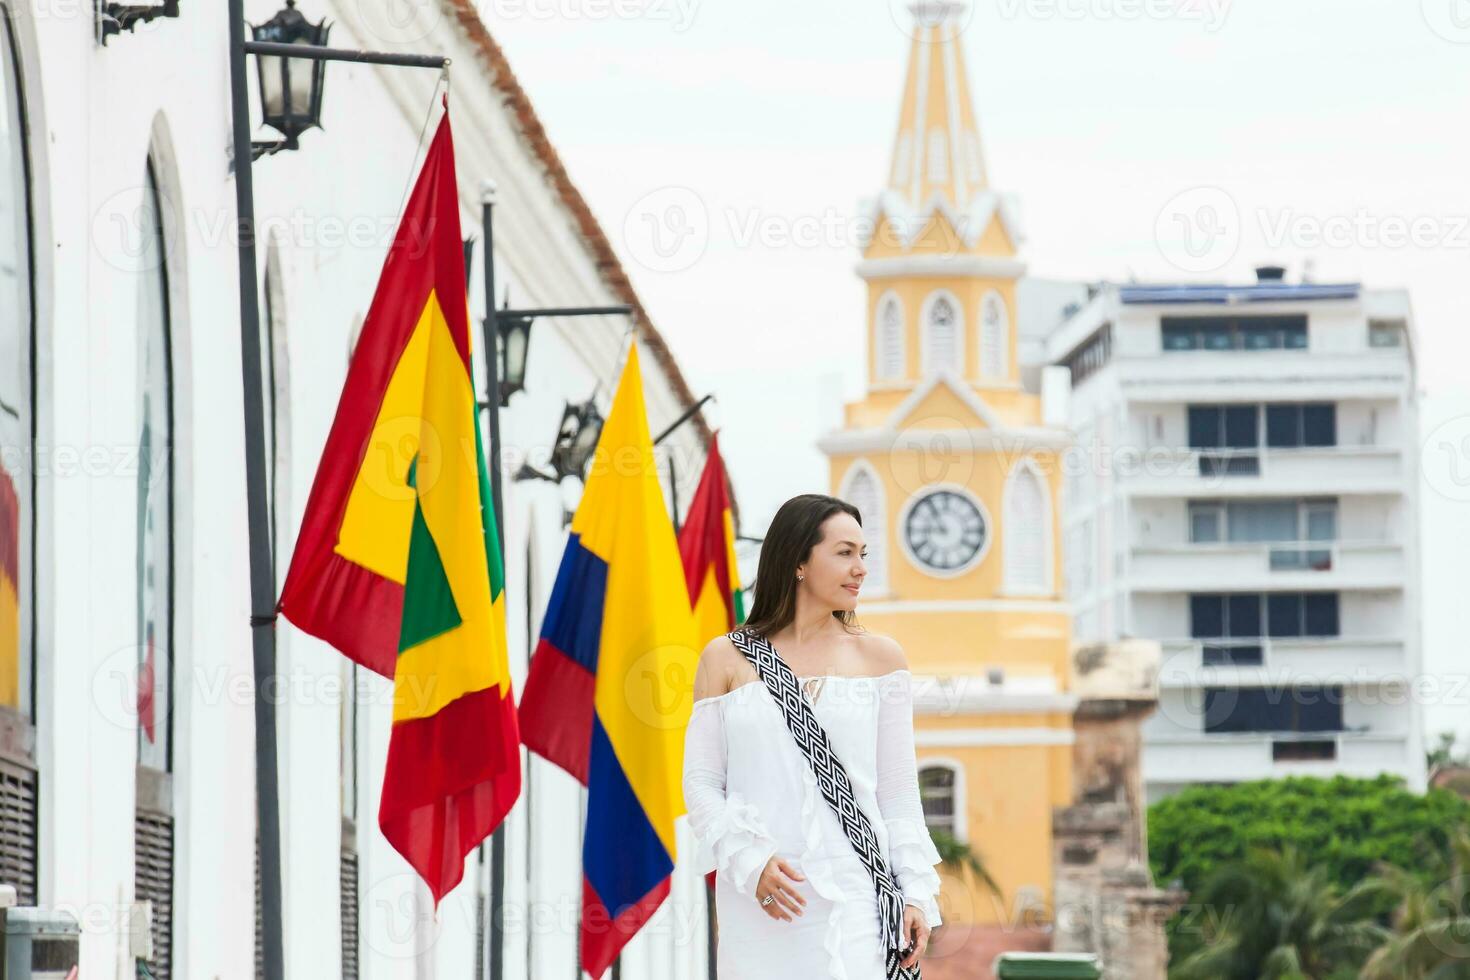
[[793, 895]]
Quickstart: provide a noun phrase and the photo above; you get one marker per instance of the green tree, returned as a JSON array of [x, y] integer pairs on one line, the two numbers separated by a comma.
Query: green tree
[[1272, 916], [1431, 923], [1444, 754], [1345, 826]]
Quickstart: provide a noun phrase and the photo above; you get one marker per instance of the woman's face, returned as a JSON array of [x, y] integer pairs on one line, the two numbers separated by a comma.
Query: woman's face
[[834, 571]]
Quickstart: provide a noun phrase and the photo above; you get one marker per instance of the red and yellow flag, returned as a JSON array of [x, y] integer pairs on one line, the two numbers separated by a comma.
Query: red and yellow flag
[[707, 545], [9, 591], [398, 562]]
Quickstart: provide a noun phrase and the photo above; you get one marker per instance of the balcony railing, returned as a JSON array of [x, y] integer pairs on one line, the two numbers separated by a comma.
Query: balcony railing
[[1212, 566], [1234, 756], [1165, 470], [1246, 662]]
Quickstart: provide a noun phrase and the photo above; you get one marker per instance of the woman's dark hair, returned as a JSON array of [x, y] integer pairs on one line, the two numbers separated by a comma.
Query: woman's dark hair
[[794, 532]]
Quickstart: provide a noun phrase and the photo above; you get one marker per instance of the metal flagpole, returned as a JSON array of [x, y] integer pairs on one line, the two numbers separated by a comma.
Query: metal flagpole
[[262, 579], [262, 574], [494, 927]]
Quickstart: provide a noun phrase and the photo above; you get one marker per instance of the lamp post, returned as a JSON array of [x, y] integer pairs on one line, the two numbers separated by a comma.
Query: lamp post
[[290, 87], [262, 578], [509, 362], [515, 343]]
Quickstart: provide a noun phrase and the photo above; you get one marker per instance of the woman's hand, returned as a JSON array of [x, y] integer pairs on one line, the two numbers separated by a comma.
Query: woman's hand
[[779, 879], [916, 929]]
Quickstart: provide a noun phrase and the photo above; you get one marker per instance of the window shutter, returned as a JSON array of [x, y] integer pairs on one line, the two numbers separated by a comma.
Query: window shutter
[[1025, 533], [864, 494], [349, 911], [18, 829], [890, 341], [943, 346], [994, 337], [153, 844]]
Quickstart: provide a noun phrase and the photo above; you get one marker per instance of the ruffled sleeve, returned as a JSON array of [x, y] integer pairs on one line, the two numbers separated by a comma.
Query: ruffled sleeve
[[911, 851], [730, 835]]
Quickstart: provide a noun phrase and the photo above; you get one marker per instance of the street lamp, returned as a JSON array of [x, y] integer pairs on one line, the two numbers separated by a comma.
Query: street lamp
[[576, 440], [515, 341], [290, 88], [114, 18]]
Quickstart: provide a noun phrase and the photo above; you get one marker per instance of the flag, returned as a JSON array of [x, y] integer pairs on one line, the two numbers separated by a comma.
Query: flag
[[398, 562], [609, 691], [9, 591], [707, 546]]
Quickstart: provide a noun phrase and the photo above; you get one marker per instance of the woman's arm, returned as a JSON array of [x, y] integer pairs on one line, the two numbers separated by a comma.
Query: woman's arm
[[911, 852], [730, 833]]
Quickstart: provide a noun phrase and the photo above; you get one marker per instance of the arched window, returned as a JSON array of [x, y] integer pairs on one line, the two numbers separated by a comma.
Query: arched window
[[154, 587], [1027, 531], [889, 354], [864, 492], [942, 334], [941, 793], [154, 584], [17, 477], [995, 335], [974, 162]]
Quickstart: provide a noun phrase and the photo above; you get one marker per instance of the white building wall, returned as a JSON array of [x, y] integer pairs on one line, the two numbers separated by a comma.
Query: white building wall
[[95, 113]]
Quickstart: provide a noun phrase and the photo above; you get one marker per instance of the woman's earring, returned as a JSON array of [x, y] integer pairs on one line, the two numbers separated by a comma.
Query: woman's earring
[[801, 578]]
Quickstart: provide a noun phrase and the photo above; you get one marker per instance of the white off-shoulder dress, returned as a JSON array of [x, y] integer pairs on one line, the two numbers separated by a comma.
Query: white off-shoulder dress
[[750, 793]]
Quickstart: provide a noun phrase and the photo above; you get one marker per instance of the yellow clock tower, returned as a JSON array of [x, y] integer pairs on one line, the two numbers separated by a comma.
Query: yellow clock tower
[[955, 469]]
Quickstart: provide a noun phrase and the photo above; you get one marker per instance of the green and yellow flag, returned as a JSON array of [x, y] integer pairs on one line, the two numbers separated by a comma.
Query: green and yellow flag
[[398, 561]]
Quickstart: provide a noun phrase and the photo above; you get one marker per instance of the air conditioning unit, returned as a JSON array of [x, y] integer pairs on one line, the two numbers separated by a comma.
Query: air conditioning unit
[[41, 944]]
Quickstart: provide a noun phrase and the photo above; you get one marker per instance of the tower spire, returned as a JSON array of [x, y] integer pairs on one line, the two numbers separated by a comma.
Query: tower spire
[[937, 148]]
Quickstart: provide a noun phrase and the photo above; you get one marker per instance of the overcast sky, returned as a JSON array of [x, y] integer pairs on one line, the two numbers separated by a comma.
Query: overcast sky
[[725, 145]]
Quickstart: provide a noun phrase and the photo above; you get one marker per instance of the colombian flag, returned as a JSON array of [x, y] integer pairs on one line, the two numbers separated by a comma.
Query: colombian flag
[[707, 545], [398, 562], [609, 691]]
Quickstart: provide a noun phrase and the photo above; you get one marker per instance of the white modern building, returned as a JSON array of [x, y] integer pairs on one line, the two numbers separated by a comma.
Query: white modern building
[[126, 728], [1244, 489]]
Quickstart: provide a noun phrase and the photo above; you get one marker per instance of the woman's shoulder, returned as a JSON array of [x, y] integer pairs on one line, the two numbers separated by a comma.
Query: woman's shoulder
[[881, 653], [716, 670]]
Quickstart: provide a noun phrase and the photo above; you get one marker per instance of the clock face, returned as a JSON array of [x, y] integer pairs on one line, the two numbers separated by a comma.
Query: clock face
[[945, 531]]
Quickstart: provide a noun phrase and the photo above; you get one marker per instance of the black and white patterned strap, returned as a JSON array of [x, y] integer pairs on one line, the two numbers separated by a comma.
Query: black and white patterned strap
[[832, 776]]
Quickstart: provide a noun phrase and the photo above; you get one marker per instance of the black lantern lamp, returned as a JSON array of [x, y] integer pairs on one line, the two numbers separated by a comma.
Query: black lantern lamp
[[113, 18], [515, 342], [581, 427], [290, 88], [576, 441]]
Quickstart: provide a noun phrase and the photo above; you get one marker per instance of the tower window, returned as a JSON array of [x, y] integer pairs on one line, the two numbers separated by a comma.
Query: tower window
[[1028, 521], [942, 335], [865, 493], [889, 360], [994, 338]]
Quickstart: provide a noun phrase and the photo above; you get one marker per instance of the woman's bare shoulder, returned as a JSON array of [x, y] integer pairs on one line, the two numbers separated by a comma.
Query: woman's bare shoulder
[[882, 654], [716, 668]]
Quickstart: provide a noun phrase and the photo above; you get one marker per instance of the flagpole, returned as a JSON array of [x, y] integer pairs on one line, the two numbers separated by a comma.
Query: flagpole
[[494, 928], [262, 577]]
